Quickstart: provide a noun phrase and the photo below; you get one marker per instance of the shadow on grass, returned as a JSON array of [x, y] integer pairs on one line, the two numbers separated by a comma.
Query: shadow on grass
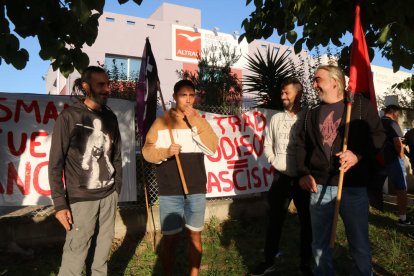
[[246, 235], [181, 264], [31, 256], [45, 260], [386, 222], [132, 218]]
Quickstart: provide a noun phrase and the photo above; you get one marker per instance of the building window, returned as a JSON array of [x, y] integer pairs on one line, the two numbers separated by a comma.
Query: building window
[[122, 68]]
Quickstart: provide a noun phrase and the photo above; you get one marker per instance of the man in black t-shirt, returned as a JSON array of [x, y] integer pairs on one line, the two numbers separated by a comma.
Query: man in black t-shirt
[[319, 158], [86, 149], [394, 160]]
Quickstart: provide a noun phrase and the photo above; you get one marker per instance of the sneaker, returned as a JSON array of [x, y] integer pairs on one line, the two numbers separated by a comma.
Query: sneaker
[[263, 268], [405, 222]]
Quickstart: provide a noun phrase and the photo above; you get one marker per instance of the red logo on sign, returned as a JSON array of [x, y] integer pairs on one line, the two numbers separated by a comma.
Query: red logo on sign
[[188, 44]]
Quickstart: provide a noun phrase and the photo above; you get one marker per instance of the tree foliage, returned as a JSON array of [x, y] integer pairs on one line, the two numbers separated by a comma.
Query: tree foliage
[[403, 95], [389, 25], [120, 86], [407, 84], [62, 27], [215, 84]]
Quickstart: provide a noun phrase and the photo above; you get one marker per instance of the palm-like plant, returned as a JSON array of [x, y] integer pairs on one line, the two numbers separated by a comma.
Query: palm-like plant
[[266, 75]]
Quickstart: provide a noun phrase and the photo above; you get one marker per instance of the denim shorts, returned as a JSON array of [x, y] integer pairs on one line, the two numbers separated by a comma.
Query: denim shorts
[[175, 211], [396, 174]]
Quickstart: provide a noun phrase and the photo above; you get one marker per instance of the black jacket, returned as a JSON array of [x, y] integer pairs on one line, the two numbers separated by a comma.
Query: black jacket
[[366, 138]]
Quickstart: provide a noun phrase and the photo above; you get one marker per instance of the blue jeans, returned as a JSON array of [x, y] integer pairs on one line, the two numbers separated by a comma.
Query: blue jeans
[[396, 174], [176, 210], [354, 213]]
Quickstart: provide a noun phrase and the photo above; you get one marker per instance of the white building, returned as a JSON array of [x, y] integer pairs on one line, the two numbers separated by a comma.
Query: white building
[[176, 36]]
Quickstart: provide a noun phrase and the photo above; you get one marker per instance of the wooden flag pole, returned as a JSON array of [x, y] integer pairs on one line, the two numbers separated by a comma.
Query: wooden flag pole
[[342, 173], [177, 157], [152, 233]]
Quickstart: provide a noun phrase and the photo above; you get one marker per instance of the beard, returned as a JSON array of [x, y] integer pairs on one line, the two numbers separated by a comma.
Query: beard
[[99, 98], [288, 105]]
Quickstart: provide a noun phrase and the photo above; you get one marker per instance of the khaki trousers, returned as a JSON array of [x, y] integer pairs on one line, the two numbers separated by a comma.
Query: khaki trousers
[[90, 238]]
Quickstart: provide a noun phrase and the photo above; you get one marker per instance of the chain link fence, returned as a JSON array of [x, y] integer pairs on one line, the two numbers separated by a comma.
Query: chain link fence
[[146, 179]]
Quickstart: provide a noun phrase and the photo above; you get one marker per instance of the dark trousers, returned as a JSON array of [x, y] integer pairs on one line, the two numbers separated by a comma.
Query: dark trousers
[[285, 188]]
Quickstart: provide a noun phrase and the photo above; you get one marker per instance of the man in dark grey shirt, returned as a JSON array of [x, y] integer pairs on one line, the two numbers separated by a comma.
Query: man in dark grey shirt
[[394, 160], [86, 148]]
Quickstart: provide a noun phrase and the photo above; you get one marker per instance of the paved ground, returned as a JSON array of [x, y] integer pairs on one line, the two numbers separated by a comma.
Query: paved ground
[[17, 211], [391, 199]]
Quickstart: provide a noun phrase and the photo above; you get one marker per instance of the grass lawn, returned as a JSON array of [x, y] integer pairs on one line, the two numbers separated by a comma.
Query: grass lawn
[[233, 247]]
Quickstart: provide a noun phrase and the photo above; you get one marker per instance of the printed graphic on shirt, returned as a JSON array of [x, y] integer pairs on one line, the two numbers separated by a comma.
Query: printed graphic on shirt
[[286, 137], [329, 128], [285, 145], [96, 160]]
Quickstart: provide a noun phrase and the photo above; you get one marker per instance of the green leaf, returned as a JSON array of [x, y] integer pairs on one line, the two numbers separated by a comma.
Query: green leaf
[[298, 46], [283, 39], [55, 65], [241, 37], [12, 43], [336, 42], [384, 35], [81, 10], [291, 36], [371, 53], [45, 53], [66, 69], [309, 44], [122, 1], [4, 25], [267, 32], [80, 60], [97, 5], [20, 59], [258, 3], [396, 65]]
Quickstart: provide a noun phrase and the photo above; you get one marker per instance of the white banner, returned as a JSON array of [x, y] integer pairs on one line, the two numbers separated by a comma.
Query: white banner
[[26, 125], [239, 165]]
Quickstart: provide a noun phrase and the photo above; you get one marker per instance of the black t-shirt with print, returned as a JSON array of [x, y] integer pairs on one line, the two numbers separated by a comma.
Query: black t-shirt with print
[[330, 117]]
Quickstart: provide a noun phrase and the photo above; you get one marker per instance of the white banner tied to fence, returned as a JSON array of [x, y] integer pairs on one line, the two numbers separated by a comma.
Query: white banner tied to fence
[[26, 125], [239, 165]]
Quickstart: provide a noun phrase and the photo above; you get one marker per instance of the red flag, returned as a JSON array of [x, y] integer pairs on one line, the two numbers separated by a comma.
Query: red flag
[[360, 75], [360, 81]]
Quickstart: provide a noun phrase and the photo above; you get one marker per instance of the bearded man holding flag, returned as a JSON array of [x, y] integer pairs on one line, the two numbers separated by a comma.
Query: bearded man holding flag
[[336, 157], [320, 159]]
